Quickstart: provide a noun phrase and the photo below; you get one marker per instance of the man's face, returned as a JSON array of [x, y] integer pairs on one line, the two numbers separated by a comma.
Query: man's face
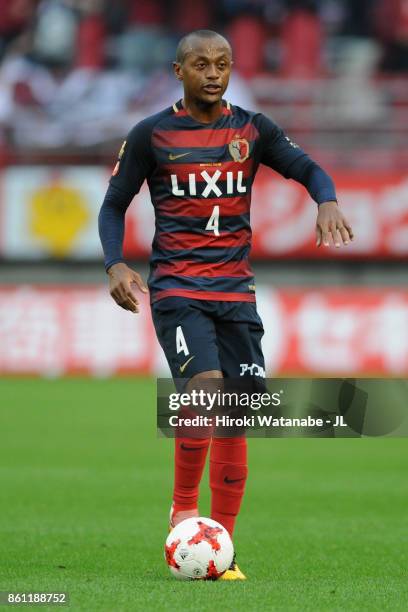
[[205, 70]]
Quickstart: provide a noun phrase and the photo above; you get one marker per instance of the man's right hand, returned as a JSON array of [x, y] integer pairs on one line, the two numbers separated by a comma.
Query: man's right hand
[[121, 279]]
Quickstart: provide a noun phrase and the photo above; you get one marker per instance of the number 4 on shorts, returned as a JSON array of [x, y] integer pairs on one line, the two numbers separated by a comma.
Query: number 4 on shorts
[[181, 344]]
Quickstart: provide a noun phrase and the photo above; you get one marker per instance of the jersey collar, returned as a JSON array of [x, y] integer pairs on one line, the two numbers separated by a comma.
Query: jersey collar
[[180, 111]]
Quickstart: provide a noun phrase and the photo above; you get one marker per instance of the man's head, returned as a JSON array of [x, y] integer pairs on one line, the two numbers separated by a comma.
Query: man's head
[[203, 63]]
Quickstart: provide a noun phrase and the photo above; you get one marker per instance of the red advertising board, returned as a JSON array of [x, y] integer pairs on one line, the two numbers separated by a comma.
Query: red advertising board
[[65, 330]]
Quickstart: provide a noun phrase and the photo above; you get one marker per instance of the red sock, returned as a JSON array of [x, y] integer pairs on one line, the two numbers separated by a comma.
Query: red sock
[[228, 474], [190, 455]]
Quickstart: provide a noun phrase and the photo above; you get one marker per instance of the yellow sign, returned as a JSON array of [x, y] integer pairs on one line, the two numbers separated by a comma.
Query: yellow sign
[[58, 214]]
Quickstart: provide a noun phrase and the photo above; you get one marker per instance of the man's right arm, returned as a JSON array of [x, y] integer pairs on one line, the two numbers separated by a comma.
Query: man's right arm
[[111, 222], [134, 164], [111, 231]]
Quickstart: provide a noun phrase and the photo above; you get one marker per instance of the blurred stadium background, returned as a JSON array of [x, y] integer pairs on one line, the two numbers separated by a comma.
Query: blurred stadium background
[[75, 75], [85, 486]]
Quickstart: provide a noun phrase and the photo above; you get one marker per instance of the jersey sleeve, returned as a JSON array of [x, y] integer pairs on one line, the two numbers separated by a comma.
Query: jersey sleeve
[[135, 161], [276, 150]]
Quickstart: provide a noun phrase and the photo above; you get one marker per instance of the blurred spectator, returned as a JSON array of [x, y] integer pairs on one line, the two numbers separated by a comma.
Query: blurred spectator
[[55, 33], [145, 45]]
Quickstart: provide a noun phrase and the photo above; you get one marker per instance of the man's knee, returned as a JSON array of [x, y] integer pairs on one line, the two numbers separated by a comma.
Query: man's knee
[[209, 380], [205, 376]]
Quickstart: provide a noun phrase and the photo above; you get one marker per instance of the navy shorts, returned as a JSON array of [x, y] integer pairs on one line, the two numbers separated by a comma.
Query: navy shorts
[[203, 335]]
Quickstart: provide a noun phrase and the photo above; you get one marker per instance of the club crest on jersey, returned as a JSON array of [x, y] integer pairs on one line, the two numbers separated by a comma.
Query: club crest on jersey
[[239, 149]]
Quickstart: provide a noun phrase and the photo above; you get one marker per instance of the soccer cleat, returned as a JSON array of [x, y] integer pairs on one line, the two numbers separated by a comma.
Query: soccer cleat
[[233, 572]]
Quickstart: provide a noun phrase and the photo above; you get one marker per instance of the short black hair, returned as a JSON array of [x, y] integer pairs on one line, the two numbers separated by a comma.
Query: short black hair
[[183, 44]]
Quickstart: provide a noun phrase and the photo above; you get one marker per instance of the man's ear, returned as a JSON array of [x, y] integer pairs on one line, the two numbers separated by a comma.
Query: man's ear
[[178, 71]]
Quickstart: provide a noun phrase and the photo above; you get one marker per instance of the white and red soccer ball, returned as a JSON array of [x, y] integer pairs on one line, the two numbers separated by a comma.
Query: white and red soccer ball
[[198, 548]]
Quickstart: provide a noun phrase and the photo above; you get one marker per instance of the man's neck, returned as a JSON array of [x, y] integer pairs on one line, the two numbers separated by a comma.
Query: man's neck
[[204, 113]]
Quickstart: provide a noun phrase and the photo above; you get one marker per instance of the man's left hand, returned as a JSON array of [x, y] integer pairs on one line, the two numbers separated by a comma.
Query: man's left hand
[[331, 221]]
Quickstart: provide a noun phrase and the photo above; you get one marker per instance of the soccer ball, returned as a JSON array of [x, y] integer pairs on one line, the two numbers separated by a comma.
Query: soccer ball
[[198, 548]]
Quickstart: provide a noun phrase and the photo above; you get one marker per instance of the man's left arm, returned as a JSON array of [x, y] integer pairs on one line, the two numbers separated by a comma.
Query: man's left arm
[[278, 152], [330, 219]]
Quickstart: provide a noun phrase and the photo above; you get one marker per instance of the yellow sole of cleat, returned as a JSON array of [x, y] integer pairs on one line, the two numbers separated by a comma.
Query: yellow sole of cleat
[[233, 574]]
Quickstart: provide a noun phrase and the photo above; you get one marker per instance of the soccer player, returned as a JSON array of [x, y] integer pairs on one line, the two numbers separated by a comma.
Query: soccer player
[[200, 157]]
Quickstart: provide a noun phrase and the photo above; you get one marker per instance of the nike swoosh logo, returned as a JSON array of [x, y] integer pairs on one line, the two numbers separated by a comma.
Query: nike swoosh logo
[[229, 481], [183, 367], [172, 156], [193, 448]]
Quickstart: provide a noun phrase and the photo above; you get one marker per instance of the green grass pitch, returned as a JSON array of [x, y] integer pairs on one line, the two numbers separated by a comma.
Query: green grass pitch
[[85, 489]]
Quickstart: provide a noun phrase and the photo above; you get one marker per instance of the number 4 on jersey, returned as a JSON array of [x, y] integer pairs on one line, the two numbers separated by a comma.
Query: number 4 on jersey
[[213, 221]]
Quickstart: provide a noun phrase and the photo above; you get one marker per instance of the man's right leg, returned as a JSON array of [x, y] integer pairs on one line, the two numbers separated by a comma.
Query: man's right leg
[[189, 460], [187, 336]]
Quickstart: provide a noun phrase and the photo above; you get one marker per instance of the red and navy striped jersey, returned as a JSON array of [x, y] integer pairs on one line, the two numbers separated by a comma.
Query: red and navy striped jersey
[[200, 178]]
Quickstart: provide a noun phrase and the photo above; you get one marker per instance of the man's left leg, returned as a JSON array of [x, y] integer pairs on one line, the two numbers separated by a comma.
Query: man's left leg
[[239, 333], [228, 474]]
